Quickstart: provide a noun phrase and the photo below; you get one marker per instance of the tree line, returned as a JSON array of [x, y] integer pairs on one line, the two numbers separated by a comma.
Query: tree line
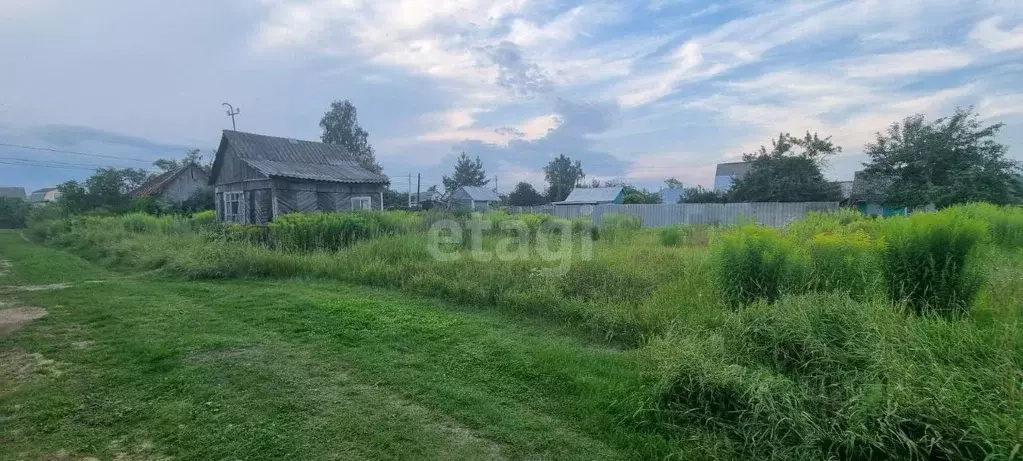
[[914, 162]]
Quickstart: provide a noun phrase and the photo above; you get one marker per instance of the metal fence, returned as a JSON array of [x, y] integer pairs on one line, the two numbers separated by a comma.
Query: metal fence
[[670, 214]]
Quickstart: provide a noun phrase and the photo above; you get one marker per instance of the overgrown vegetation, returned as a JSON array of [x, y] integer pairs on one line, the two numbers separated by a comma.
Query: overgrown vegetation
[[838, 337]]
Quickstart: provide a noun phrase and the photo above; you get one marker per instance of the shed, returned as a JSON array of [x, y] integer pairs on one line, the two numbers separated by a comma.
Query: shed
[[257, 178], [593, 196], [869, 194], [44, 195], [175, 185], [426, 199], [473, 198], [12, 192]]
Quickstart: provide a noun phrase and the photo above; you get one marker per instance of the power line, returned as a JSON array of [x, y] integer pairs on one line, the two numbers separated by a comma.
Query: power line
[[74, 153]]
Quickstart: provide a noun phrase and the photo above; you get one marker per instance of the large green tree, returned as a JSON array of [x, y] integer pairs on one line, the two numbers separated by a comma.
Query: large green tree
[[525, 195], [106, 189], [340, 125], [562, 176], [790, 172], [467, 173], [949, 160]]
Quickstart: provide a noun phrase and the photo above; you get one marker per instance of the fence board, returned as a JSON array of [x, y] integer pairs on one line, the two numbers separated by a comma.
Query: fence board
[[671, 214]]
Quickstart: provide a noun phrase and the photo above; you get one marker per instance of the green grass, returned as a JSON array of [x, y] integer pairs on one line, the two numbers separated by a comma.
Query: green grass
[[301, 370], [722, 343]]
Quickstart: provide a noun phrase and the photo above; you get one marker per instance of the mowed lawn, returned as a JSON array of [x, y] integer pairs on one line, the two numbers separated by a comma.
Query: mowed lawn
[[141, 366]]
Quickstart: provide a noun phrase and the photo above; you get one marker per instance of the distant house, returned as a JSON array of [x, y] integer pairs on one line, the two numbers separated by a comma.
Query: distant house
[[12, 192], [593, 196], [473, 198], [868, 194], [175, 185], [44, 195], [257, 178], [672, 195], [727, 173], [427, 199]]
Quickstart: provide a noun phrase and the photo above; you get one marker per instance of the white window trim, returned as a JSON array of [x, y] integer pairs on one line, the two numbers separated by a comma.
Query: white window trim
[[357, 201], [231, 197]]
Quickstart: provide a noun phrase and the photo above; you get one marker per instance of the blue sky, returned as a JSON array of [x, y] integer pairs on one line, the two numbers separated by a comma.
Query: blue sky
[[638, 91]]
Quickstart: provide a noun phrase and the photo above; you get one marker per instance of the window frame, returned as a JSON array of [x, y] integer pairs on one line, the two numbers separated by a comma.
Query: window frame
[[362, 199], [230, 198]]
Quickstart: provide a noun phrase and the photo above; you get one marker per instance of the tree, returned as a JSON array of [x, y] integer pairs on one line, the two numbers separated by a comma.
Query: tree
[[107, 188], [13, 212], [340, 126], [673, 183], [699, 194], [783, 175], [950, 160], [395, 199], [192, 156], [562, 176], [467, 173], [525, 195]]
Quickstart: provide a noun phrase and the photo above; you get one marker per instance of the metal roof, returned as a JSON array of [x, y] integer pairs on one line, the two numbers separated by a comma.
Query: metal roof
[[733, 169], [160, 182], [292, 158], [13, 192], [592, 195], [481, 194], [672, 195]]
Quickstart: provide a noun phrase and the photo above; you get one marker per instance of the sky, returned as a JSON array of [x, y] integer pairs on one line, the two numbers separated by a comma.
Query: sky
[[637, 91]]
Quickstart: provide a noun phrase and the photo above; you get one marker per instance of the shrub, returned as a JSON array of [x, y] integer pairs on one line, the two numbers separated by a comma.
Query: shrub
[[753, 263], [203, 220], [13, 213], [843, 263], [926, 262]]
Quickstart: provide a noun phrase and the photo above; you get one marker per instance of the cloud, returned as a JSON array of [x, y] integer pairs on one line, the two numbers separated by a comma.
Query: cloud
[[906, 63], [990, 34], [516, 73]]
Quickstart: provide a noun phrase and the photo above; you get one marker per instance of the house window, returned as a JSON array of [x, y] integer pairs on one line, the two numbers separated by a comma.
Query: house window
[[361, 203], [234, 207]]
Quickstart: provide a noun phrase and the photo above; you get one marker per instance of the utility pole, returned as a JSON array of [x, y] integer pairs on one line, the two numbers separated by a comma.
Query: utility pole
[[231, 112], [419, 182], [410, 191], [496, 189]]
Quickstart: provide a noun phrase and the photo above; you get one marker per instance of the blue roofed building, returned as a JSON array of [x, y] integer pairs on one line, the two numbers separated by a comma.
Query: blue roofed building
[[672, 195], [473, 198], [593, 196]]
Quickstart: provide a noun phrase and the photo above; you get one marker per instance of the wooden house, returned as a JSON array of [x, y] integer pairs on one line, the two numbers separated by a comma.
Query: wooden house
[[175, 185], [257, 178]]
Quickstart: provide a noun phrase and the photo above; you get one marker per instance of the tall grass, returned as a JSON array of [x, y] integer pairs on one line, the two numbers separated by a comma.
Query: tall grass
[[824, 377], [753, 263], [927, 262], [818, 363]]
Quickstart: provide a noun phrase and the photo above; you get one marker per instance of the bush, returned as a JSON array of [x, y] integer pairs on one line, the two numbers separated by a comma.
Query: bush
[[13, 213], [753, 263], [927, 262], [842, 263]]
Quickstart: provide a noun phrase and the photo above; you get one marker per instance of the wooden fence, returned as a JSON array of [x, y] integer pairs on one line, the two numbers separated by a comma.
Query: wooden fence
[[671, 214]]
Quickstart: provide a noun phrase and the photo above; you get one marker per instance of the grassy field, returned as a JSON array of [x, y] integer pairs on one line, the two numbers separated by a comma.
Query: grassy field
[[838, 337], [144, 367]]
